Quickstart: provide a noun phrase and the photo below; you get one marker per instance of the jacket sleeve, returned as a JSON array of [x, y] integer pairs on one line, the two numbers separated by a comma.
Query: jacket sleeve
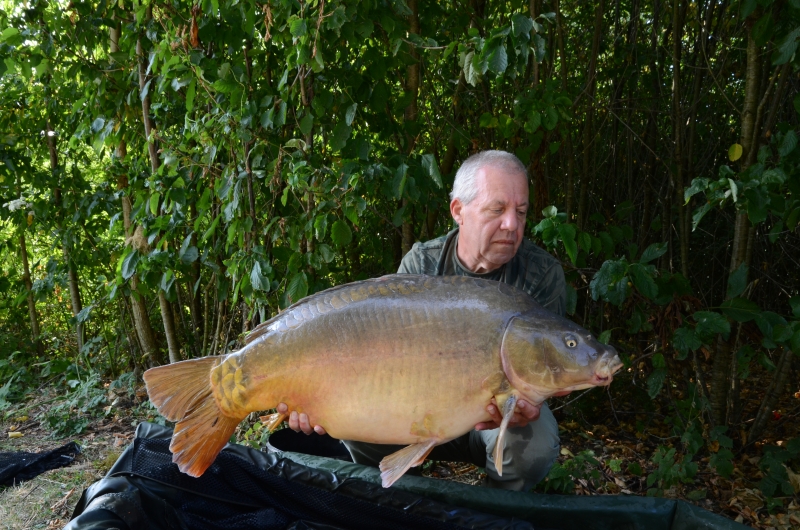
[[411, 262], [551, 290]]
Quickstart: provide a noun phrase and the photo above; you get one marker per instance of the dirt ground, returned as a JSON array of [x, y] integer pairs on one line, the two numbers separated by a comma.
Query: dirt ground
[[47, 501]]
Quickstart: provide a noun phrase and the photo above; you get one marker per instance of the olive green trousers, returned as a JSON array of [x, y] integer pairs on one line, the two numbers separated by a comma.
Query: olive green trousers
[[528, 454]]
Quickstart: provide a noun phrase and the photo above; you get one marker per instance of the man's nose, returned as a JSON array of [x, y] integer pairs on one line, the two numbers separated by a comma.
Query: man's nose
[[509, 221]]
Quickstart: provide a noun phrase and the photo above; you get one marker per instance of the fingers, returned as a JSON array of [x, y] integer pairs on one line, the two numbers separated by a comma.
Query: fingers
[[524, 413], [494, 412], [527, 411], [283, 408], [299, 423]]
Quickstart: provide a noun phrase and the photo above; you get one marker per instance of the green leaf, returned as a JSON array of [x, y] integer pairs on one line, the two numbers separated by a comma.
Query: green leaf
[[796, 103], [190, 95], [129, 264], [643, 280], [699, 214], [747, 7], [567, 233], [154, 199], [786, 49], [341, 233], [430, 165], [350, 114], [326, 253], [605, 337], [794, 302], [321, 226], [788, 143], [498, 59], [656, 381], [654, 251], [775, 231], [487, 121], [549, 212], [585, 241], [190, 256], [763, 29], [297, 26], [297, 288], [709, 324], [735, 152], [339, 136], [698, 185], [306, 124], [256, 279], [685, 340], [338, 18], [610, 282], [521, 25], [767, 321], [740, 310], [550, 118], [8, 33], [737, 282], [399, 181], [210, 232], [757, 201]]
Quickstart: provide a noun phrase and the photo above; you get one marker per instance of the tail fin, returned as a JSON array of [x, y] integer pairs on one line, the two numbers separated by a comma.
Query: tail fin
[[182, 392]]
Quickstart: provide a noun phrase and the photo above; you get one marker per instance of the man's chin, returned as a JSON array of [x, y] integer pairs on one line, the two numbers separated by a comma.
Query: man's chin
[[501, 258]]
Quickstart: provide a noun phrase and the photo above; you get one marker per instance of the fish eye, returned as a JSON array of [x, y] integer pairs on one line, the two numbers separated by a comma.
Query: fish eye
[[570, 341]]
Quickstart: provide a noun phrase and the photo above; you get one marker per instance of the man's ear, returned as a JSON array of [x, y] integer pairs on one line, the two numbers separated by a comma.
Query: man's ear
[[455, 210]]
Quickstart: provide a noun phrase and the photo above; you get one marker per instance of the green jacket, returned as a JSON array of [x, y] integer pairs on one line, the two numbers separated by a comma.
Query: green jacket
[[532, 269]]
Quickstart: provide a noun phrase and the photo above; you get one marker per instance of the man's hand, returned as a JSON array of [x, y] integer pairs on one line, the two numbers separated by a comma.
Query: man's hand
[[524, 413], [299, 422]]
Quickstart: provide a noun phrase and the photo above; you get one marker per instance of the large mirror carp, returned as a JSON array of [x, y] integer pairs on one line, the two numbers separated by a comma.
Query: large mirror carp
[[401, 359]]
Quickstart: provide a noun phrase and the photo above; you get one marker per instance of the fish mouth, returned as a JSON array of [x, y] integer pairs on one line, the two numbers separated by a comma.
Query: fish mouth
[[608, 366]]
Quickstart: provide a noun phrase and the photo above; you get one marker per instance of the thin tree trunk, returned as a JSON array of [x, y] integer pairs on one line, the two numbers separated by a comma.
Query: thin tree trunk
[[26, 278], [677, 125], [569, 184], [173, 344], [783, 370], [588, 129], [411, 114], [141, 320], [72, 275], [724, 383]]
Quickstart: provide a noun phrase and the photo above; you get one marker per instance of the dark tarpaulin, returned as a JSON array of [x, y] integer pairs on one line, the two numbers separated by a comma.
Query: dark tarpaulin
[[249, 489], [246, 488], [16, 467]]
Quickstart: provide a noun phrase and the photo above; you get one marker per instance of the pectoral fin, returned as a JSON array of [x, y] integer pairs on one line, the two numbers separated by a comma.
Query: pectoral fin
[[396, 464], [508, 412], [271, 421]]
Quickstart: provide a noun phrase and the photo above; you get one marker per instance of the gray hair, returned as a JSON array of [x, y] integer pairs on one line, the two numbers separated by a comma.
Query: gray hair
[[464, 187]]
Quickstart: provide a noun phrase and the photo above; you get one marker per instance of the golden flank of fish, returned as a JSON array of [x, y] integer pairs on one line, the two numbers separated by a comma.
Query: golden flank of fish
[[401, 359]]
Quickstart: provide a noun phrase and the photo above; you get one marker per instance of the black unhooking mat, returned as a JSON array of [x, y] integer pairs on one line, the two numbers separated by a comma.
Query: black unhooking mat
[[249, 489], [21, 466]]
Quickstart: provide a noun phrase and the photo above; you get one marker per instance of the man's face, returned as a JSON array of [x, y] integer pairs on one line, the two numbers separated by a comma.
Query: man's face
[[492, 225]]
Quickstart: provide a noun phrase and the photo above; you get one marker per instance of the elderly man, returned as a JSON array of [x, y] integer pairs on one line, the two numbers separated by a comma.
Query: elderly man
[[489, 203]]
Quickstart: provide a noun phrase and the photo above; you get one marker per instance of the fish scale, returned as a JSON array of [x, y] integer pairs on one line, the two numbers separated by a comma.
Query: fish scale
[[401, 359]]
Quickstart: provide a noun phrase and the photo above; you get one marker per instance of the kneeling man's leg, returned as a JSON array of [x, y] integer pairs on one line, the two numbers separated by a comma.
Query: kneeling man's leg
[[528, 454]]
